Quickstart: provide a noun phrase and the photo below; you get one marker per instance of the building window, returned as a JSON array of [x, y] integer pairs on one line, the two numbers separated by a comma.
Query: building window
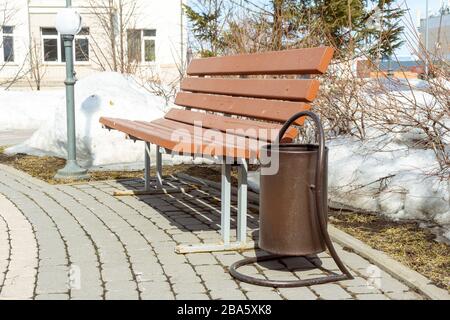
[[141, 45], [53, 45], [82, 45], [8, 43], [50, 40], [149, 45], [134, 45]]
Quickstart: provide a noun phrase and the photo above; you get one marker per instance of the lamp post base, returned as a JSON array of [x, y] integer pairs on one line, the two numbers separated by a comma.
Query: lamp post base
[[72, 171]]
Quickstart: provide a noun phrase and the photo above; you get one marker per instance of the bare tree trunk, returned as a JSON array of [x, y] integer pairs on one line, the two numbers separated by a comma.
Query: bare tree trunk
[[115, 18], [350, 24], [121, 35], [277, 24], [37, 69], [112, 35]]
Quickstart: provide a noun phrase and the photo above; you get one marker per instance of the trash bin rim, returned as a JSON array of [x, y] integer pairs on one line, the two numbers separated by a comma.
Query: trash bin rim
[[292, 148]]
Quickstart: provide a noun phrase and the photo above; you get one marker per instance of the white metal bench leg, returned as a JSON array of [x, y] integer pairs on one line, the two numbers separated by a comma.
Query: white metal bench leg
[[147, 166], [226, 244], [225, 203], [242, 202], [159, 179], [150, 188]]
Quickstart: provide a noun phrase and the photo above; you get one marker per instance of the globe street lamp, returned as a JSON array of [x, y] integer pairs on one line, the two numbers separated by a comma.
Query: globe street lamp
[[68, 24]]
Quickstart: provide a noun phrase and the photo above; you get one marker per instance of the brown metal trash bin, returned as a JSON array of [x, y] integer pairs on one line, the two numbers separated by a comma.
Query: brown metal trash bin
[[293, 208], [287, 214]]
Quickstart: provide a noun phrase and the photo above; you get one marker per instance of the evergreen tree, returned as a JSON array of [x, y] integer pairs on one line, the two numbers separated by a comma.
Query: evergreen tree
[[341, 20], [345, 24], [207, 21], [350, 26], [335, 22], [385, 34], [286, 21]]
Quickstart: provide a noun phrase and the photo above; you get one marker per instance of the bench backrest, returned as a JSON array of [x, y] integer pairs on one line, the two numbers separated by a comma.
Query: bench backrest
[[228, 85]]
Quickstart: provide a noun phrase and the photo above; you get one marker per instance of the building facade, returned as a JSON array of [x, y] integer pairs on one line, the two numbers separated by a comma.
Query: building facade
[[438, 35], [142, 37]]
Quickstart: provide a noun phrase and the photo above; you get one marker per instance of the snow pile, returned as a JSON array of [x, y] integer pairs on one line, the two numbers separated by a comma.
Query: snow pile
[[390, 171], [395, 180], [27, 109], [103, 94]]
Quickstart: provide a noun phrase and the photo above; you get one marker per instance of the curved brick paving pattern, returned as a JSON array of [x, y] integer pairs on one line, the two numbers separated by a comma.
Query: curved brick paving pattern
[[79, 242], [18, 253]]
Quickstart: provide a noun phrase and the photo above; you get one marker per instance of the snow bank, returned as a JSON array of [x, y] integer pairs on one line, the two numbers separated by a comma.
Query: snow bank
[[396, 181], [390, 172], [103, 94], [27, 109]]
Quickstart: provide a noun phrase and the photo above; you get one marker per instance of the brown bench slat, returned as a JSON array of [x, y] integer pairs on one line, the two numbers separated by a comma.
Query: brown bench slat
[[204, 134], [241, 127], [280, 89], [165, 127], [171, 124], [193, 131], [296, 61], [273, 110], [185, 142]]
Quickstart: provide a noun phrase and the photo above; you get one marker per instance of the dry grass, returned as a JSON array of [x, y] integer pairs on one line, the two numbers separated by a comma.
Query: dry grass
[[40, 167], [404, 241], [45, 168]]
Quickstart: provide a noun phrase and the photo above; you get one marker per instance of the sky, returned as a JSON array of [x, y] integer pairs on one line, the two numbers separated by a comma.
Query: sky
[[415, 5]]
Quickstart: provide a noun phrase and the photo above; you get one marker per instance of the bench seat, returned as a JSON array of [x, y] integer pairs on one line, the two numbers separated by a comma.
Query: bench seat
[[179, 138], [217, 136]]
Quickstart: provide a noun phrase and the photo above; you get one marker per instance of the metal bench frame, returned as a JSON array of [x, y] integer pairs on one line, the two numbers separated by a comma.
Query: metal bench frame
[[225, 221]]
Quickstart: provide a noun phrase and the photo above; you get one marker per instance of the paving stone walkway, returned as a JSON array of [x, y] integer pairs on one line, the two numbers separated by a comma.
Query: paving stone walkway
[[13, 137], [79, 242]]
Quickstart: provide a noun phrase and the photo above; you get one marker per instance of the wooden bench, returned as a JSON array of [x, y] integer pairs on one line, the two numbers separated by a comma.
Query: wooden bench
[[241, 98]]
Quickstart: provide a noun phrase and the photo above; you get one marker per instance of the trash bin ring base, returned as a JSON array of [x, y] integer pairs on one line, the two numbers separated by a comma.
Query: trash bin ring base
[[280, 283]]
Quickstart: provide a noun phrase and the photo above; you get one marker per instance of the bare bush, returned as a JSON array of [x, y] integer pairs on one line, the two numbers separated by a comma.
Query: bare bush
[[37, 68], [110, 47]]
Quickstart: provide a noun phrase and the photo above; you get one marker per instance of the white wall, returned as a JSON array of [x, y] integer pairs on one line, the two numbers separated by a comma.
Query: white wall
[[165, 17], [439, 29], [162, 15], [16, 13]]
